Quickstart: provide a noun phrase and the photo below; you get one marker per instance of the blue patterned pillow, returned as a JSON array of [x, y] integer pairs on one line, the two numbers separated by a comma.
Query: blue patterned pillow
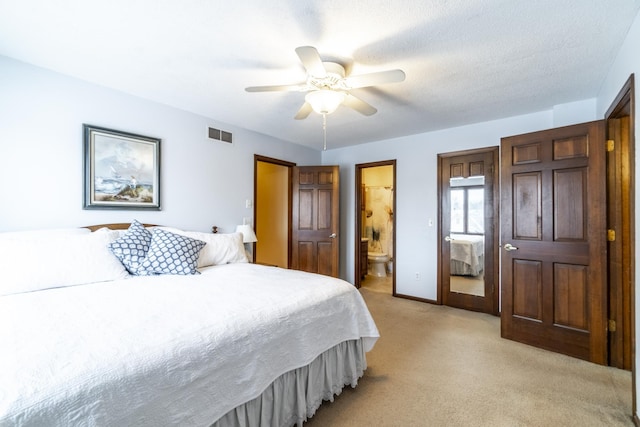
[[171, 253], [132, 248]]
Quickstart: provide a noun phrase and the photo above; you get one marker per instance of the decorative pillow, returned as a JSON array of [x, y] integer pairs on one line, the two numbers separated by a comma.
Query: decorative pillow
[[132, 247], [220, 249], [56, 260], [171, 253]]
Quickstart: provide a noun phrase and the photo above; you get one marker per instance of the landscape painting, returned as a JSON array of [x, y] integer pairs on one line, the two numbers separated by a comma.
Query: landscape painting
[[122, 170]]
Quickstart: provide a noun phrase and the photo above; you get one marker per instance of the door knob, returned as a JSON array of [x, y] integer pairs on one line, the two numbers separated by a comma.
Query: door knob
[[447, 238], [333, 235], [510, 247]]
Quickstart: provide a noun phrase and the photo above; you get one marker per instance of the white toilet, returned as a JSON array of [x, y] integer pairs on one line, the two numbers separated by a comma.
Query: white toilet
[[378, 263]]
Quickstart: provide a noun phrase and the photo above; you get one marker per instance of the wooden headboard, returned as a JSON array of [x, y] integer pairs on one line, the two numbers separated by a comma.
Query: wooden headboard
[[114, 226]]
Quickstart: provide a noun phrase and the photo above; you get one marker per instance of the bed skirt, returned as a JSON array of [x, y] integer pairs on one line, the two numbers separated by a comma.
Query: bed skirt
[[296, 395], [461, 268]]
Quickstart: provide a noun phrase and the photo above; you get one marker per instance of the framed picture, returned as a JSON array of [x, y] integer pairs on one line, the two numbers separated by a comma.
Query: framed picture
[[121, 170]]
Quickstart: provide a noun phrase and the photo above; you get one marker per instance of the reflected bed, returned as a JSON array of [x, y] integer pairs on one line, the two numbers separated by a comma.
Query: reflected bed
[[467, 255]]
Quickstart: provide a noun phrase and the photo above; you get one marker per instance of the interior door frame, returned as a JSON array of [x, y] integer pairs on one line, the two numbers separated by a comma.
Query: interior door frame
[[622, 295], [358, 220], [491, 304]]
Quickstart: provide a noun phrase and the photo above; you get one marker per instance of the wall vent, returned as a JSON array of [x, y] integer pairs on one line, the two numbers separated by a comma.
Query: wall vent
[[219, 135], [226, 136]]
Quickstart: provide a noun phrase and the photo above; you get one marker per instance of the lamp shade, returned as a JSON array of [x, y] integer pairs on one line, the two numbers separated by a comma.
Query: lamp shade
[[248, 236], [324, 101]]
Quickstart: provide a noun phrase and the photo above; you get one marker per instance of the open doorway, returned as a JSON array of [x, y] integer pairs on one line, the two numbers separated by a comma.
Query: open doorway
[[375, 226], [272, 211]]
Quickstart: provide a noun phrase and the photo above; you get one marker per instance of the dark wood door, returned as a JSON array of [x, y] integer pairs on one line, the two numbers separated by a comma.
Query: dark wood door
[[315, 225], [553, 210], [464, 287]]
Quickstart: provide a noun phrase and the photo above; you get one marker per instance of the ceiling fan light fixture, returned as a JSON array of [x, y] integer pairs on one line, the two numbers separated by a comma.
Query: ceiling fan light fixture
[[324, 101]]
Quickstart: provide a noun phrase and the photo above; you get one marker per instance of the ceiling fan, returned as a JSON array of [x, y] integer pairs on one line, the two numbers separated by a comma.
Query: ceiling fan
[[328, 86]]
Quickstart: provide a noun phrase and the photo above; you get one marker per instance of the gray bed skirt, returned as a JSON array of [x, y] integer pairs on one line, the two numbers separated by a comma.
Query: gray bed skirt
[[461, 268], [296, 395]]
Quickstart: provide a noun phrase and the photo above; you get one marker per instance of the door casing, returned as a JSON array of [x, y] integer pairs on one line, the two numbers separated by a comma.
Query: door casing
[[258, 158], [358, 220]]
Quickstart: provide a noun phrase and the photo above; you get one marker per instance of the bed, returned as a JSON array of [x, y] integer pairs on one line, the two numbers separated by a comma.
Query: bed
[[467, 255], [85, 342]]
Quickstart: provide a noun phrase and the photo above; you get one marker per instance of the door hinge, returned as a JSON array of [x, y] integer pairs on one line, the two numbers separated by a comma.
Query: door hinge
[[610, 144], [611, 235], [612, 325]]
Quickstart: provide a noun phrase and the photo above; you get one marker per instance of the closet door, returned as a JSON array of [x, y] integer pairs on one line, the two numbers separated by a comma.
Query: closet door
[[468, 207], [554, 240], [315, 227]]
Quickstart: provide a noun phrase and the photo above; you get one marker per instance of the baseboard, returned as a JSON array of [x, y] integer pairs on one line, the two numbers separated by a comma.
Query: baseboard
[[428, 301]]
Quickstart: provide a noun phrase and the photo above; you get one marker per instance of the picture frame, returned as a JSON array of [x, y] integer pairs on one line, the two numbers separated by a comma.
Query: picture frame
[[121, 170]]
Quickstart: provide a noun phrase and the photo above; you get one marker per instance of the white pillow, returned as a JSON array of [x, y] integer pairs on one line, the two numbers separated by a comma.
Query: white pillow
[[57, 260], [219, 249]]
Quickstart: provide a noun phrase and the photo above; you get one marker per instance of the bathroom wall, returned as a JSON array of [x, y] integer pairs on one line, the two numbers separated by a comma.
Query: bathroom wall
[[378, 214]]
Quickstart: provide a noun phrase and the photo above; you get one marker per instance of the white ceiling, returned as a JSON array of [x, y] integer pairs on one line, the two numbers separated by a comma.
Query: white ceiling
[[466, 61]]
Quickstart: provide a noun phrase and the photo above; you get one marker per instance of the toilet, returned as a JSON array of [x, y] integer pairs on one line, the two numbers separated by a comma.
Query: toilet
[[378, 263]]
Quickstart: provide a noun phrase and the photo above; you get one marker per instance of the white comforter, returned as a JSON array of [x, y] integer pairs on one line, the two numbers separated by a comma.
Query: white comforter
[[166, 350]]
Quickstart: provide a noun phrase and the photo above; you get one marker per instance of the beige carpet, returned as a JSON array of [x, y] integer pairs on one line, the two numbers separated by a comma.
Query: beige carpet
[[472, 285], [440, 366]]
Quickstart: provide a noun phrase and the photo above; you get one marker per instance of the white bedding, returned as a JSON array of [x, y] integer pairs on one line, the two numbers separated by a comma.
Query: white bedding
[[166, 350], [469, 250]]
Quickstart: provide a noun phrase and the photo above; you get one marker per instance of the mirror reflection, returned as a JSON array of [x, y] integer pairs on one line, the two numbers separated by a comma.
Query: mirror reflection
[[467, 235]]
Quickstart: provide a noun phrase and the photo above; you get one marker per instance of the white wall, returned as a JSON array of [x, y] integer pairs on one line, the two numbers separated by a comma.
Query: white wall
[[416, 188], [627, 63], [203, 182]]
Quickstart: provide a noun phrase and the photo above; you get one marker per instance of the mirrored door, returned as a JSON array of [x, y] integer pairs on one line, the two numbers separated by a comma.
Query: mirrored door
[[466, 236], [468, 210]]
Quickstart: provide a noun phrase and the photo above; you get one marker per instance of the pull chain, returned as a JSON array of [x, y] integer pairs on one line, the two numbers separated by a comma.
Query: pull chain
[[324, 131]]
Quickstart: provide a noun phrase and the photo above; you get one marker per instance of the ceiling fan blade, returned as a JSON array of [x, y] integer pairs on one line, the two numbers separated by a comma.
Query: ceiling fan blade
[[372, 79], [275, 88], [311, 60], [304, 111], [359, 105]]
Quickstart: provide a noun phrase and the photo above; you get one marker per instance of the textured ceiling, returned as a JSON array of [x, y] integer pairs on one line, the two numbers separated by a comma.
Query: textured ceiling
[[466, 61]]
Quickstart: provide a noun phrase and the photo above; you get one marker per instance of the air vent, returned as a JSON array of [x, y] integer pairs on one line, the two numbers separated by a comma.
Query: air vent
[[220, 135], [214, 133], [226, 136]]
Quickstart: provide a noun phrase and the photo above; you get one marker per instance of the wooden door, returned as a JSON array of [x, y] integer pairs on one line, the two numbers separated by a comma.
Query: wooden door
[[465, 287], [315, 226], [553, 210]]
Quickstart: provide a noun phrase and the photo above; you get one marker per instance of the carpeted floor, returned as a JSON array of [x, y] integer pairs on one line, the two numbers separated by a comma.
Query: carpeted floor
[[473, 285], [441, 366]]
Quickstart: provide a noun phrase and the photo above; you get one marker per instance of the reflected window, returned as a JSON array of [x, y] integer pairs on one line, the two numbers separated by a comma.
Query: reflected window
[[475, 211], [458, 214], [467, 209]]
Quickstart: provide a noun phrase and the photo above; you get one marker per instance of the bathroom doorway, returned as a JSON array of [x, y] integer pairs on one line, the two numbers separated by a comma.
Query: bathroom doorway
[[375, 226]]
